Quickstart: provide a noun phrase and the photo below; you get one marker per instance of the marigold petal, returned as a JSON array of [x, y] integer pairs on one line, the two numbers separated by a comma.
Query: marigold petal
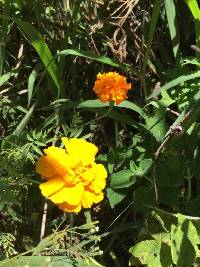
[[111, 86], [45, 167], [51, 186], [72, 195], [80, 150], [89, 198], [99, 183], [59, 158], [88, 176], [70, 208]]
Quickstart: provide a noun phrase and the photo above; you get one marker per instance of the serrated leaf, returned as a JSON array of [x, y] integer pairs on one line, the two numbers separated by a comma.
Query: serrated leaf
[[152, 253], [170, 172], [115, 196], [189, 230], [182, 250], [122, 179], [144, 195], [156, 123], [144, 167]]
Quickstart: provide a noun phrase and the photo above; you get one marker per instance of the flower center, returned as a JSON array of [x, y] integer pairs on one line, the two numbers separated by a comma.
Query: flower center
[[77, 174]]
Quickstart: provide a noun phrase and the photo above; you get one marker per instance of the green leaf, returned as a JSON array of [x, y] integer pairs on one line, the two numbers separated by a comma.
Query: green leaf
[[144, 167], [194, 8], [152, 28], [41, 48], [173, 29], [170, 172], [5, 77], [175, 82], [143, 195], [192, 206], [99, 58], [189, 230], [4, 33], [122, 179], [92, 104], [156, 123], [121, 117], [115, 196], [46, 261], [129, 105], [24, 121], [152, 253], [182, 250], [31, 82], [169, 195], [125, 104]]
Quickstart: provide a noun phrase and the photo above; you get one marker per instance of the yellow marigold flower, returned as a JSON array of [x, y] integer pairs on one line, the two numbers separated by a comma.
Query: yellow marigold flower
[[111, 86], [74, 180]]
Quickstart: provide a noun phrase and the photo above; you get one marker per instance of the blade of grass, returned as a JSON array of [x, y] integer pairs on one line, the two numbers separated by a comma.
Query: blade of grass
[[5, 77], [152, 28], [3, 34], [189, 115], [37, 41], [31, 82], [194, 8], [175, 82], [173, 27], [24, 121], [92, 56], [41, 48]]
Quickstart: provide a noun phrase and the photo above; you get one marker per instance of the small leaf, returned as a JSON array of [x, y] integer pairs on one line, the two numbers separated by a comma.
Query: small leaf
[[31, 82], [5, 77]]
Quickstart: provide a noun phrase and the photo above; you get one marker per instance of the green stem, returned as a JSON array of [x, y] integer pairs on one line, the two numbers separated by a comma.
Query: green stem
[[88, 216]]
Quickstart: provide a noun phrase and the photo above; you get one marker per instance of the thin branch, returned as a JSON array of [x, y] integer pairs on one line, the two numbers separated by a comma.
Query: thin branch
[[156, 161], [173, 112]]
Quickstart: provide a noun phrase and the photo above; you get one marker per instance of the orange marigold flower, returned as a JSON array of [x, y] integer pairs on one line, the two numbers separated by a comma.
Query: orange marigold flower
[[74, 180], [111, 86]]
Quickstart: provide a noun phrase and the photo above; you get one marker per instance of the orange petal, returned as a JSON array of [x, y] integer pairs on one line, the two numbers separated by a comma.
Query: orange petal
[[70, 208]]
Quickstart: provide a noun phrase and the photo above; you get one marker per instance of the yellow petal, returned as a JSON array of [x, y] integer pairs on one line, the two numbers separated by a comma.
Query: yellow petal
[[80, 150], [72, 195], [98, 197], [88, 176], [99, 183], [89, 198], [45, 167], [51, 186], [70, 208], [59, 159]]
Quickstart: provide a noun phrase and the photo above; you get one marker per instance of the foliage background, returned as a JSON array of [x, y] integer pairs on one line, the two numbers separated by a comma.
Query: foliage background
[[50, 54]]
